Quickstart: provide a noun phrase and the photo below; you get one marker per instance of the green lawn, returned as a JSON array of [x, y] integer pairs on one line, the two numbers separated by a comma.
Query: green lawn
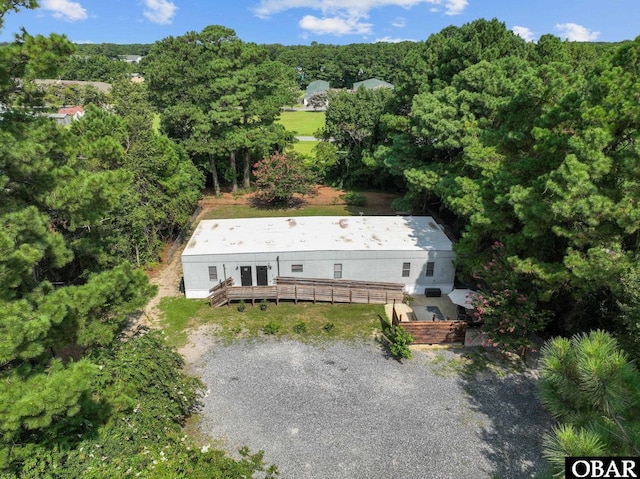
[[305, 147], [248, 211], [304, 123], [304, 321]]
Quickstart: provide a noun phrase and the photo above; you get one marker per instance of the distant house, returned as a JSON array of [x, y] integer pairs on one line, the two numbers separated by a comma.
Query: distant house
[[412, 250], [372, 84], [131, 58], [66, 115], [315, 88]]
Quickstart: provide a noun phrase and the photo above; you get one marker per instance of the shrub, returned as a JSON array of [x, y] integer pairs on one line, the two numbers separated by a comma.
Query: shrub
[[354, 199], [279, 177], [330, 326], [300, 327], [400, 339], [271, 327]]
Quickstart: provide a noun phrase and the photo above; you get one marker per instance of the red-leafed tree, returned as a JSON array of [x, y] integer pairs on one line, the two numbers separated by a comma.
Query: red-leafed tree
[[279, 177], [507, 306]]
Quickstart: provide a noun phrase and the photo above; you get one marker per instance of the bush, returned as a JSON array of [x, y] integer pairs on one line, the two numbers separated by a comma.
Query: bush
[[271, 327], [400, 339], [330, 326], [279, 177], [300, 327], [354, 199]]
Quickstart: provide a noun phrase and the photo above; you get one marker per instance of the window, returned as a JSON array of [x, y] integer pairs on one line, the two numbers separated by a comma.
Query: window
[[406, 270], [431, 266], [337, 271], [296, 268], [213, 273]]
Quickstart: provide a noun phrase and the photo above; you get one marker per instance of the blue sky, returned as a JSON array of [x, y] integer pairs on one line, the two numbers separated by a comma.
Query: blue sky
[[293, 22]]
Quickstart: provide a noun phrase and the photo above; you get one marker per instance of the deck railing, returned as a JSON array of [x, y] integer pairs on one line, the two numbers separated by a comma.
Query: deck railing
[[315, 290]]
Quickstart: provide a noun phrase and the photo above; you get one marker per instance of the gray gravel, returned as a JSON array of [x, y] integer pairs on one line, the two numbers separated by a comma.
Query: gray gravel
[[346, 410]]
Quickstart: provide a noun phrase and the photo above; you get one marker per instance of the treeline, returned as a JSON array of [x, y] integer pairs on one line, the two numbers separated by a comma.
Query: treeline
[[112, 50], [340, 65]]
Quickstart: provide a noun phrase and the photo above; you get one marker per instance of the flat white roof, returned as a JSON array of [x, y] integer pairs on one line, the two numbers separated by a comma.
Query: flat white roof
[[317, 233]]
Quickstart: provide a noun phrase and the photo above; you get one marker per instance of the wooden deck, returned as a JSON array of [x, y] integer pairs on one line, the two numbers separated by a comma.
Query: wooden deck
[[314, 290]]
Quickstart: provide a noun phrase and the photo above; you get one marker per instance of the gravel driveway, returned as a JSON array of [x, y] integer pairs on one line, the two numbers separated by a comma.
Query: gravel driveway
[[346, 410]]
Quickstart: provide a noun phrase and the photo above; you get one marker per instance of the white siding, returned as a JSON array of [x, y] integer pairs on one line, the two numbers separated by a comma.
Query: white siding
[[368, 248]]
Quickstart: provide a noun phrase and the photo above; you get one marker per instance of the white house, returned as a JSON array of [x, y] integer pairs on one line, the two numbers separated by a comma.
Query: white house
[[412, 250]]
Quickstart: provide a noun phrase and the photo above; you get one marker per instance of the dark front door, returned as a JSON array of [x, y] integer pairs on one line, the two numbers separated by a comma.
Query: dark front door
[[245, 276], [261, 275]]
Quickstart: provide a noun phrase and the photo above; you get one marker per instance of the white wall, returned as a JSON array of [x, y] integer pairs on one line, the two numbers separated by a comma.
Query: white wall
[[385, 266]]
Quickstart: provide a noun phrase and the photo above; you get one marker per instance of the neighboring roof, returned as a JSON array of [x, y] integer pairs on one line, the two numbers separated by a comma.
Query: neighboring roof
[[71, 110], [315, 87], [317, 233], [372, 83], [98, 85], [131, 58]]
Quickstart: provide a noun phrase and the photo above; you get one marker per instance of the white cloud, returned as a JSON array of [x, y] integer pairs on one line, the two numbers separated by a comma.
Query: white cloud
[[455, 7], [392, 40], [335, 25], [399, 22], [65, 9], [523, 32], [159, 11], [342, 17], [576, 33]]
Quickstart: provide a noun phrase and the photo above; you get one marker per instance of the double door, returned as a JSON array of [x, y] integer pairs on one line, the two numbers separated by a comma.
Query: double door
[[246, 275]]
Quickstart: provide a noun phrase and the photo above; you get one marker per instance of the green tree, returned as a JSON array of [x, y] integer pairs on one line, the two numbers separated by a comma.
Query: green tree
[[279, 177], [165, 184], [53, 307], [352, 123], [78, 399], [220, 98], [95, 68], [531, 149], [592, 388], [58, 96]]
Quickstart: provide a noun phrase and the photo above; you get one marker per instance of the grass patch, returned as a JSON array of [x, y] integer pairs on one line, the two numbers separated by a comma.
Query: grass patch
[[177, 315], [303, 123], [305, 148], [349, 321], [449, 367], [248, 211], [472, 362]]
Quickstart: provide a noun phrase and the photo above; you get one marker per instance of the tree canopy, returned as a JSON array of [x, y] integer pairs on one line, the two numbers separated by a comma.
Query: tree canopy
[[530, 145], [219, 97], [78, 206]]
